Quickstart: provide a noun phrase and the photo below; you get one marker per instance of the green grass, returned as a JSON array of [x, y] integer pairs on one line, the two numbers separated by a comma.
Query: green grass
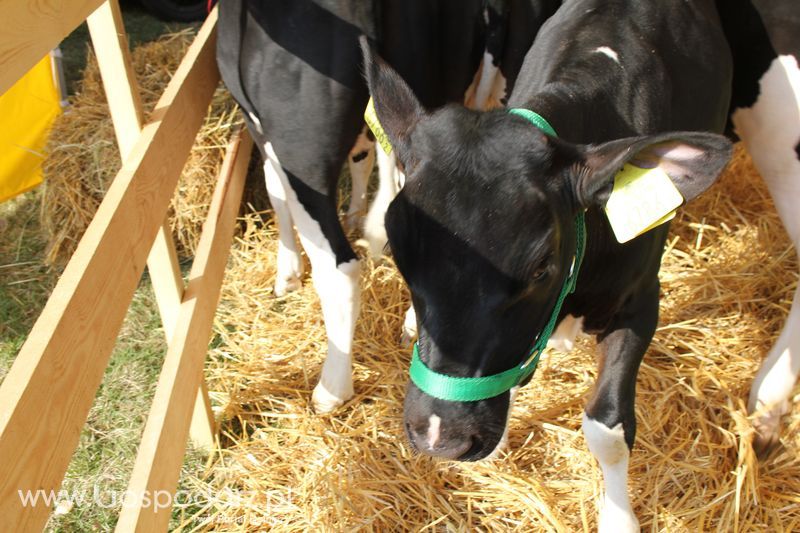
[[25, 283], [104, 458]]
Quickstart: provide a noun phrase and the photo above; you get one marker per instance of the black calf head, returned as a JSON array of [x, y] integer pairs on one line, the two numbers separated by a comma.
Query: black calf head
[[483, 232]]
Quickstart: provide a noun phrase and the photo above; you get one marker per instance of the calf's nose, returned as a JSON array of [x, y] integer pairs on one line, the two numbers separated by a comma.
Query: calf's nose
[[430, 439]]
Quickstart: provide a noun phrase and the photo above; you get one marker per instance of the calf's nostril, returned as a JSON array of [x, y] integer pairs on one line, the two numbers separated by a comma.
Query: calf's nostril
[[448, 449], [411, 436]]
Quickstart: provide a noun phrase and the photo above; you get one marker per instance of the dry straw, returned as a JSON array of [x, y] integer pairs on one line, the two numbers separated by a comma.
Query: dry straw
[[728, 276]]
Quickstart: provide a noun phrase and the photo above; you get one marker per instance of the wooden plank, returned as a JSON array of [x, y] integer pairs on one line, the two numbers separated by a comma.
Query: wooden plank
[[165, 275], [158, 462], [46, 396], [30, 29], [122, 93], [203, 429], [113, 58]]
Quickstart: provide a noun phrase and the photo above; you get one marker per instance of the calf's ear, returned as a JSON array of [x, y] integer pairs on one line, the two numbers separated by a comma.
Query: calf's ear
[[396, 106], [692, 160]]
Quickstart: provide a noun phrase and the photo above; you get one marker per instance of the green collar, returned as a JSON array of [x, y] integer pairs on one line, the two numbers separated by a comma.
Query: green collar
[[535, 118], [463, 389]]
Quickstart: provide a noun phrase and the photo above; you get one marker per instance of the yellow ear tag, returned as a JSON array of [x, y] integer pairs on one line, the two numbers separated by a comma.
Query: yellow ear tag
[[642, 199], [374, 124]]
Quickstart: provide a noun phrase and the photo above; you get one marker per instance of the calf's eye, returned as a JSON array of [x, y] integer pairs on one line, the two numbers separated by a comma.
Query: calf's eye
[[539, 273]]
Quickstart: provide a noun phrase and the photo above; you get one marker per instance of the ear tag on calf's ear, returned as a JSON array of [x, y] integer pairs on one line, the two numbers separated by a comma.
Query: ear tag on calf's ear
[[374, 124], [642, 199]]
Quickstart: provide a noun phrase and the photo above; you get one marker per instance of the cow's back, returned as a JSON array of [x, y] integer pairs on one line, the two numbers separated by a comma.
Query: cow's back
[[294, 67]]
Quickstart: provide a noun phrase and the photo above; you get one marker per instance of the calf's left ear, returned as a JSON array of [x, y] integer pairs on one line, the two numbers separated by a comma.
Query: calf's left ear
[[396, 106], [692, 160]]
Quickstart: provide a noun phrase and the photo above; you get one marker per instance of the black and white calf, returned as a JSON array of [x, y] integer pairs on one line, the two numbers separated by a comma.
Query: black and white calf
[[484, 232], [506, 30], [294, 67], [765, 41], [289, 66]]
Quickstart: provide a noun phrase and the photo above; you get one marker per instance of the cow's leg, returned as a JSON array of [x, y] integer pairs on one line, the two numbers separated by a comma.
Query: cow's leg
[[361, 160], [335, 273], [390, 182], [609, 423], [769, 396], [478, 93], [409, 333], [771, 131], [563, 338], [290, 264]]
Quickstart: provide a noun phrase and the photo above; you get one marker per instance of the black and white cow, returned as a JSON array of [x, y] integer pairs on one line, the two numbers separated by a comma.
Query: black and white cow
[[483, 231], [765, 42], [294, 67]]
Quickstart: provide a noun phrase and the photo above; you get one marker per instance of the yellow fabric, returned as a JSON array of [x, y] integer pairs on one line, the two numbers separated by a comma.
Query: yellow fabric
[[27, 110]]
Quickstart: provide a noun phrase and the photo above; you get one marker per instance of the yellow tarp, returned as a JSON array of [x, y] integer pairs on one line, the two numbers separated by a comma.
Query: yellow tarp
[[27, 111]]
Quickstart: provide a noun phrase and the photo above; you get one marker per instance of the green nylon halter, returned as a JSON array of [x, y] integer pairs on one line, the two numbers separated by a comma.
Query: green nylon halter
[[463, 389]]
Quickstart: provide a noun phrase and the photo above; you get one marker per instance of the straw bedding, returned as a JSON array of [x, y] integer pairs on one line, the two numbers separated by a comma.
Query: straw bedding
[[727, 279]]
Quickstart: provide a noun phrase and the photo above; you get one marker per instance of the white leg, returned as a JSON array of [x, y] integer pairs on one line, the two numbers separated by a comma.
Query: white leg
[[769, 397], [339, 293], [771, 130], [498, 97], [409, 334], [290, 264], [338, 289], [391, 181], [609, 448], [361, 160], [563, 338], [488, 72]]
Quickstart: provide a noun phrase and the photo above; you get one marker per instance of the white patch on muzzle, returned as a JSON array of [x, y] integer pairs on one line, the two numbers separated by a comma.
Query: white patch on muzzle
[[434, 425]]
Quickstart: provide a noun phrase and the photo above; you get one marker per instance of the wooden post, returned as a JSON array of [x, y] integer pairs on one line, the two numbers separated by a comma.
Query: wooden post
[[122, 92]]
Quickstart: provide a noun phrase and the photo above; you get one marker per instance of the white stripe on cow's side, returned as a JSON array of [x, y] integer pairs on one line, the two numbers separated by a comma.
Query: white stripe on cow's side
[[771, 131], [609, 448], [290, 264], [338, 290]]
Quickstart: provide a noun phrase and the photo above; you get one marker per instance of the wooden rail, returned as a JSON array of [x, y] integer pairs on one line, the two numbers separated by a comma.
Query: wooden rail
[[30, 29], [46, 396]]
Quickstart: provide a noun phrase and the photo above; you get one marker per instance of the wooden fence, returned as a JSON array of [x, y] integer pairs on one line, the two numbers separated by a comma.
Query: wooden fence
[[46, 396]]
